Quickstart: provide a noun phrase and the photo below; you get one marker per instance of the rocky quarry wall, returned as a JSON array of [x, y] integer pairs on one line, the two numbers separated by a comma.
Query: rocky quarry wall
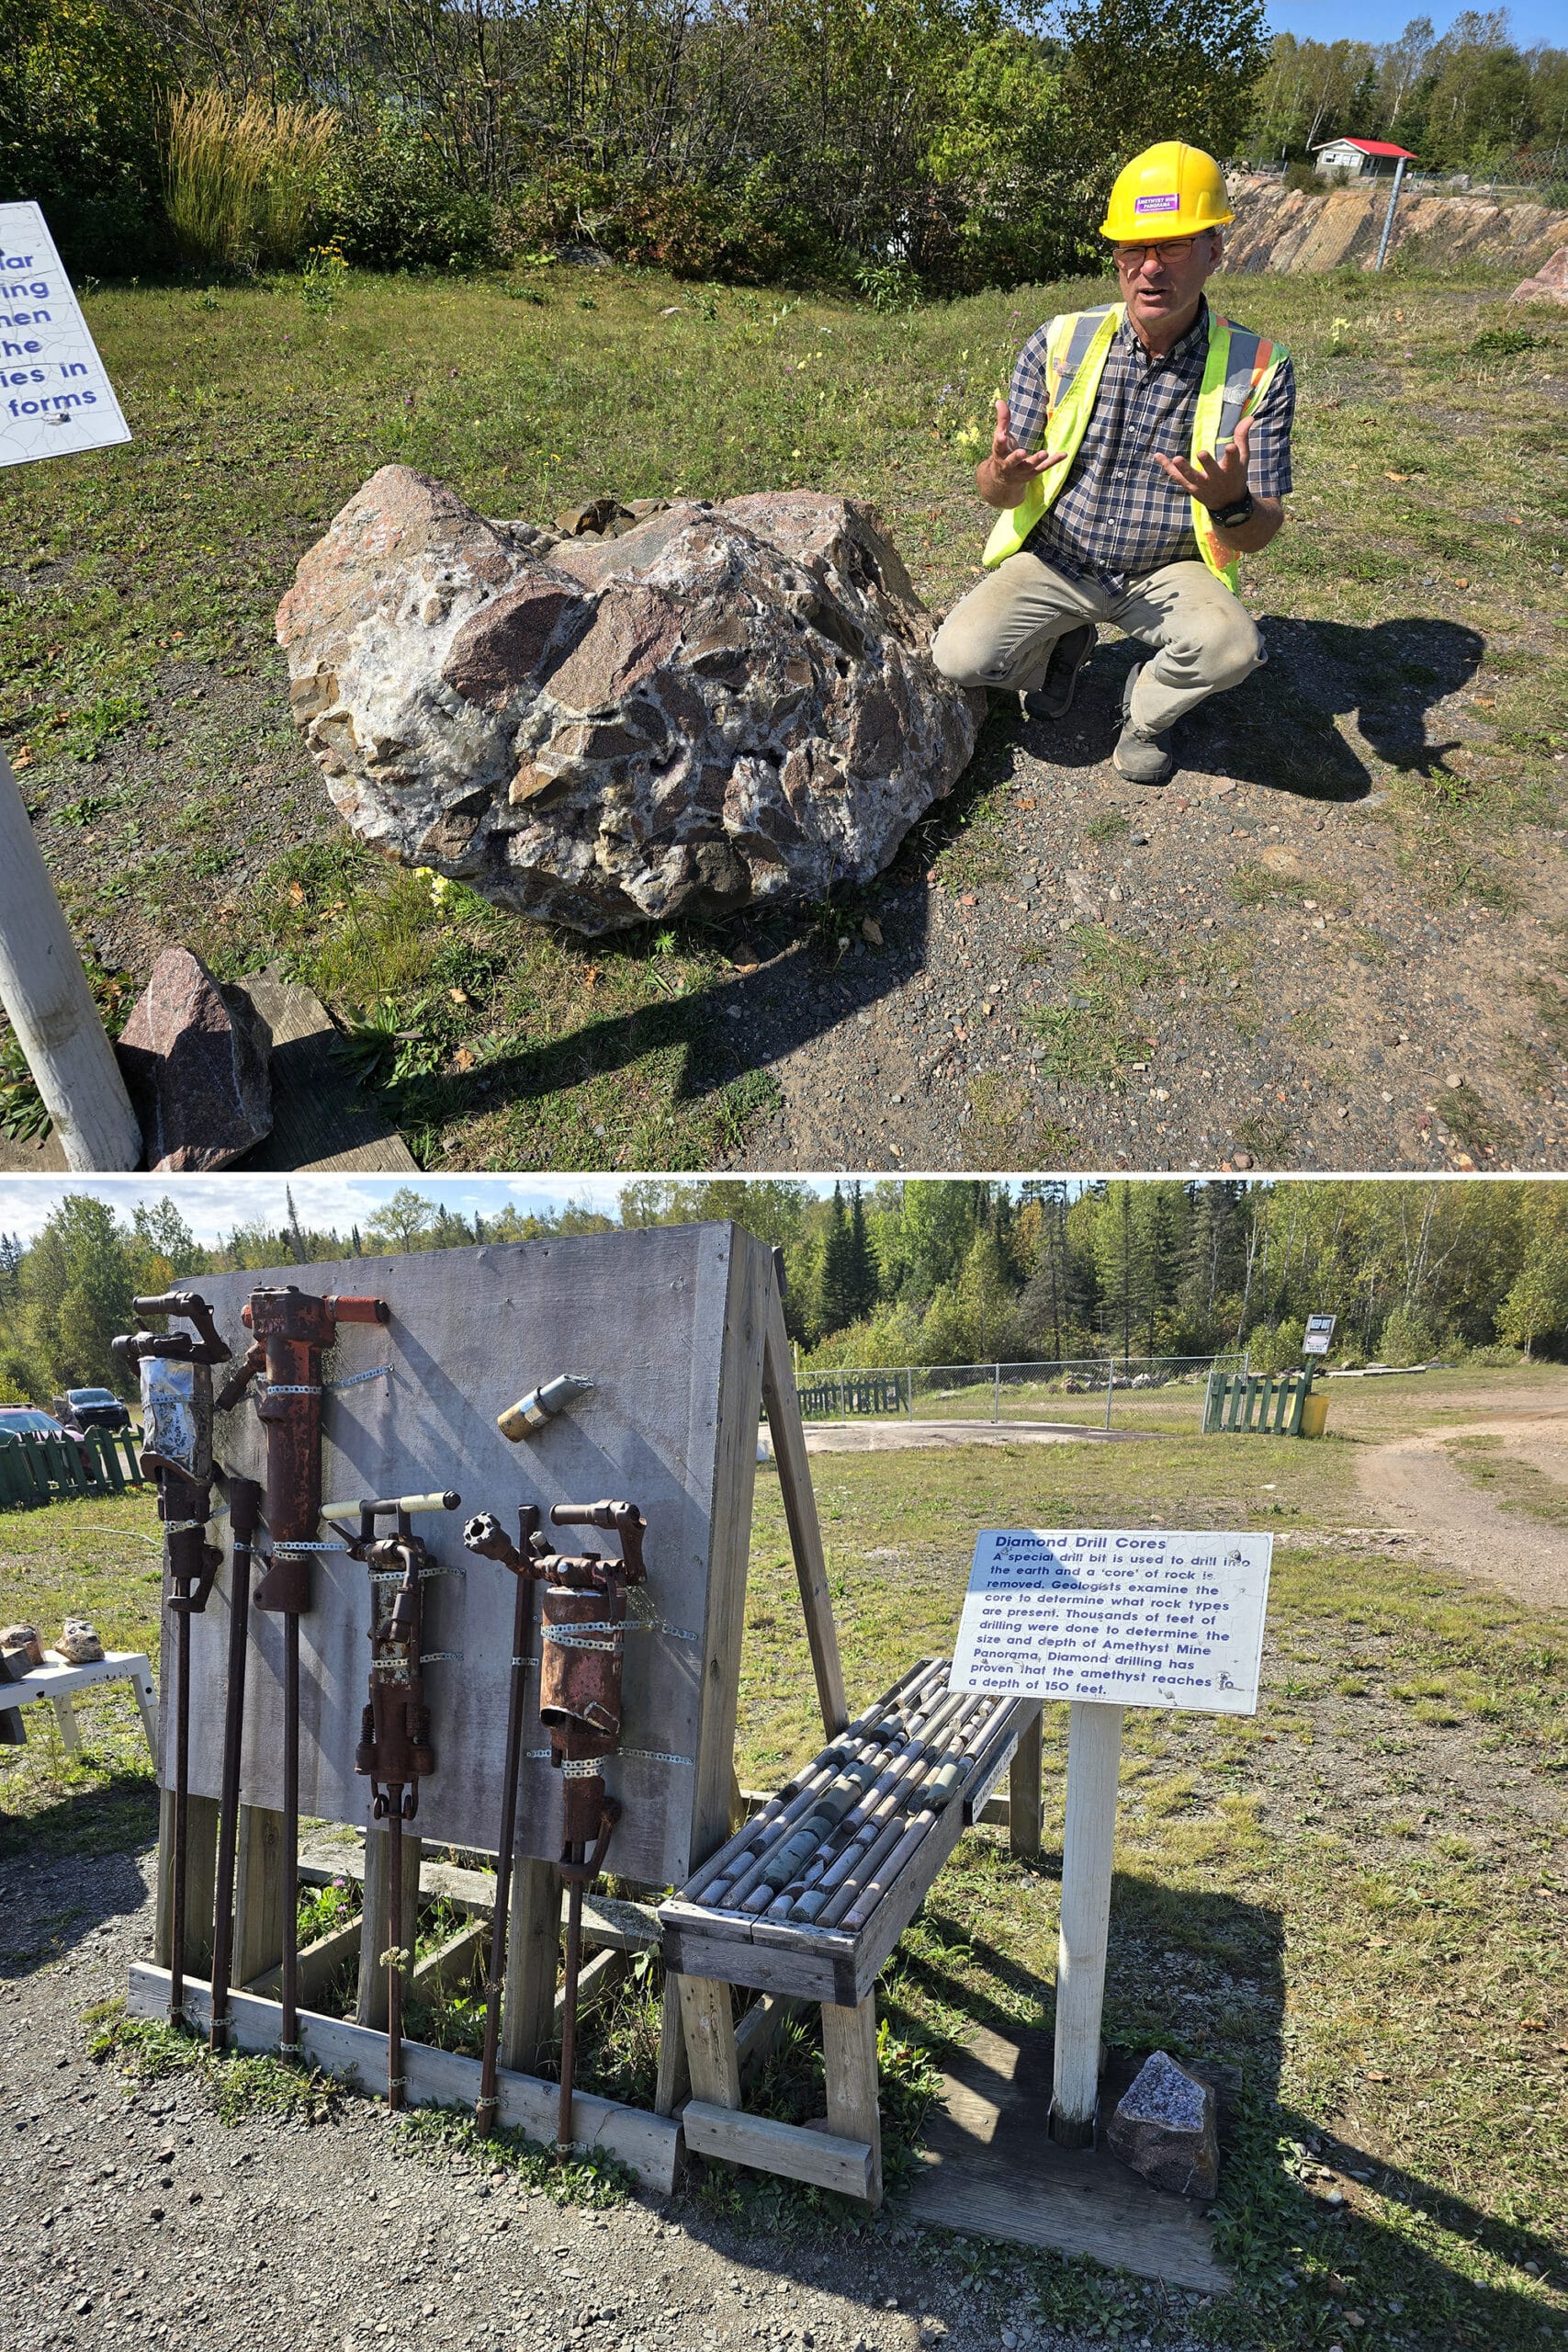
[[683, 707], [1291, 229]]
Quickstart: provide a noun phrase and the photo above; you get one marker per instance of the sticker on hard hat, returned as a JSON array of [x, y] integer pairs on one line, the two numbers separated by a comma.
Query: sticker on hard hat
[[1156, 204]]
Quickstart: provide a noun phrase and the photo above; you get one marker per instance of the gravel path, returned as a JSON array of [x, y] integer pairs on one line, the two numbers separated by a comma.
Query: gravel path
[[135, 2217]]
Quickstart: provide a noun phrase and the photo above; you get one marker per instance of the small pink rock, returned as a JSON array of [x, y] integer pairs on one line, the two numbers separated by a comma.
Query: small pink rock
[[195, 1060]]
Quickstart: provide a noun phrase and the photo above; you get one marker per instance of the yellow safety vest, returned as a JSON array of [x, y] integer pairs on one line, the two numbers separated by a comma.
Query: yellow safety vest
[[1238, 370]]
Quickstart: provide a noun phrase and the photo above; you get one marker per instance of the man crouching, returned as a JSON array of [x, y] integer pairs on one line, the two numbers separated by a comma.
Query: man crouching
[[1144, 446]]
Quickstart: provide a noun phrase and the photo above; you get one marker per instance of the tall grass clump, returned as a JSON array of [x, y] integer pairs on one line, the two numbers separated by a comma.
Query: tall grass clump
[[241, 178]]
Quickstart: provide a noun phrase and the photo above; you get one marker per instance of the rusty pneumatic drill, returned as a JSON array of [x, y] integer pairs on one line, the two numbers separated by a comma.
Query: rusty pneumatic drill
[[175, 1374], [394, 1751], [291, 1330], [582, 1634]]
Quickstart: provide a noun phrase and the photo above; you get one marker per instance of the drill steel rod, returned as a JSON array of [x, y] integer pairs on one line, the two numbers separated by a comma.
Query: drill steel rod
[[182, 1817], [568, 2005], [289, 1962], [485, 2113], [395, 1954], [244, 1504]]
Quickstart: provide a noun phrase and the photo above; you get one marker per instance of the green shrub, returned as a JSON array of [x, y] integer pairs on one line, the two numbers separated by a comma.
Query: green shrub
[[80, 91], [390, 199], [1408, 1337]]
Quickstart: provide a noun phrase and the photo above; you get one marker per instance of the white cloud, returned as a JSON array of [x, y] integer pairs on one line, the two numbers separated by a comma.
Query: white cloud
[[213, 1206]]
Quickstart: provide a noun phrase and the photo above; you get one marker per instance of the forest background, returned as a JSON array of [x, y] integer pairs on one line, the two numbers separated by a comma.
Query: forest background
[[931, 1271], [906, 146]]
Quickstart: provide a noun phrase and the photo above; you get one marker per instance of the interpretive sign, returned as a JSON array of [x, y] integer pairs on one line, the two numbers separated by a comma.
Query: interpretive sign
[[1319, 1333], [1130, 1617], [55, 394]]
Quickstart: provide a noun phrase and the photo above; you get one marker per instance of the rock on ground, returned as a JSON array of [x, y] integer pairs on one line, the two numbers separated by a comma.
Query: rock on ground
[[1164, 2127], [717, 707], [1550, 283], [195, 1066]]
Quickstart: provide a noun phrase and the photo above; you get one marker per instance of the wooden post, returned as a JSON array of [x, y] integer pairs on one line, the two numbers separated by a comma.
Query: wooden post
[[376, 1936], [201, 1880], [709, 2022], [1094, 1762], [70, 1730], [1024, 1793], [848, 2061], [800, 1511], [533, 1962], [258, 1895], [674, 2075], [50, 1006]]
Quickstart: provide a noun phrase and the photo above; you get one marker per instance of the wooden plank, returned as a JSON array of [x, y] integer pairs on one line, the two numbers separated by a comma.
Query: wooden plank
[[319, 1119], [674, 2080], [734, 1484], [989, 2171], [597, 1981], [259, 1893], [450, 1963], [759, 1966], [614, 1919], [649, 2145], [788, 1435], [819, 2157], [316, 1965], [901, 1902], [201, 1878], [532, 1964], [51, 1681], [848, 2062], [759, 2028], [370, 2003], [707, 2022], [1024, 1793], [66, 1716]]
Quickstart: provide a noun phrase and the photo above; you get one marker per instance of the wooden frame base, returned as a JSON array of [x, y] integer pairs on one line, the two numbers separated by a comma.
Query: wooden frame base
[[649, 2145]]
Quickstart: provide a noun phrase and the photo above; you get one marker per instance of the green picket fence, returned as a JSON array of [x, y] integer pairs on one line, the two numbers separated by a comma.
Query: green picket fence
[[39, 1469], [1256, 1400], [835, 1394]]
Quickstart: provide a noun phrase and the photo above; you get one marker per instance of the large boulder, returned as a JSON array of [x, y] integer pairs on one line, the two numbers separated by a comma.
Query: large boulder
[[718, 705]]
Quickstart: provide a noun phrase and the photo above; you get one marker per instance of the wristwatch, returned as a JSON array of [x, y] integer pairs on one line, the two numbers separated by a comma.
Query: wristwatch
[[1239, 511]]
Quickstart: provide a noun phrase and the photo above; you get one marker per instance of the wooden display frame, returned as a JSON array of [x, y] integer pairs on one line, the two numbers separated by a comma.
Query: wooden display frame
[[706, 2055]]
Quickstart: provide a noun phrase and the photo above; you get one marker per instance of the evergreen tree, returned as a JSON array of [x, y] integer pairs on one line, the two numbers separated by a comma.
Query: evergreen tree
[[835, 1282], [860, 1263]]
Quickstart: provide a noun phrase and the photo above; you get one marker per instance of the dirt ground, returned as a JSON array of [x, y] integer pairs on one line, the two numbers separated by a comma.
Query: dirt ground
[[1415, 1484]]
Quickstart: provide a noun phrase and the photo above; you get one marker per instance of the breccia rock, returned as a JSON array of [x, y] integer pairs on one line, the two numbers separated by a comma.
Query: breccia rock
[[717, 705], [196, 1059]]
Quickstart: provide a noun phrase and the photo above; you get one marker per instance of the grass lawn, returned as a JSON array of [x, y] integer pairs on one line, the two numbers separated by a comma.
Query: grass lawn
[[143, 698], [1356, 1897]]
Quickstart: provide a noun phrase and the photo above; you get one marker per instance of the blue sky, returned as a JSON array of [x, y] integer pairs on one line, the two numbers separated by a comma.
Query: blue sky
[[1377, 20]]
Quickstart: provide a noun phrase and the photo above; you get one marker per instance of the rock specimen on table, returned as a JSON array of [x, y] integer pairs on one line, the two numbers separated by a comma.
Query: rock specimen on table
[[25, 1638], [1164, 2127], [195, 1058], [687, 710], [1550, 283], [79, 1644]]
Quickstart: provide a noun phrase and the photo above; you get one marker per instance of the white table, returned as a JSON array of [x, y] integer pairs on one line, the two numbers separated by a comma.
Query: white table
[[56, 1684]]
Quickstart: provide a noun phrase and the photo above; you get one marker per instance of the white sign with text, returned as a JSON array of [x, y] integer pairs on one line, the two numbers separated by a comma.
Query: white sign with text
[[1132, 1617], [55, 395]]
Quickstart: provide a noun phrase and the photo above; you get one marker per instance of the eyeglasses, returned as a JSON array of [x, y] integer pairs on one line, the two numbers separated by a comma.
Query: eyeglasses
[[1135, 256]]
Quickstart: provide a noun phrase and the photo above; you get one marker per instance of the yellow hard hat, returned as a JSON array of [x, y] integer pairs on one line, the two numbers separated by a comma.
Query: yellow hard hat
[[1170, 190]]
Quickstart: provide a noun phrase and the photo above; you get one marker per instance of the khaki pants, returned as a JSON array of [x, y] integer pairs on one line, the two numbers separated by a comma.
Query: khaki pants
[[1000, 635]]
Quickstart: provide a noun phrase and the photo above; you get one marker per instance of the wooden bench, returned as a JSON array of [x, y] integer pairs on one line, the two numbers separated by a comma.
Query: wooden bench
[[56, 1684], [710, 1946]]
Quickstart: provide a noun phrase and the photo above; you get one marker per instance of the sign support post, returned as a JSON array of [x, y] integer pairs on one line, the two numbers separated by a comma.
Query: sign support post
[[1094, 1765], [49, 1005]]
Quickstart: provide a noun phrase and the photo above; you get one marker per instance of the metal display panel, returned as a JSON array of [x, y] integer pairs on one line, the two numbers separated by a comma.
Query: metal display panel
[[667, 1321]]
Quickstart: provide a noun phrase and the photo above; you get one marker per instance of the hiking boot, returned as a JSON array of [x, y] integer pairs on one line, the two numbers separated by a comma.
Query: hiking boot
[[1141, 759], [1053, 698]]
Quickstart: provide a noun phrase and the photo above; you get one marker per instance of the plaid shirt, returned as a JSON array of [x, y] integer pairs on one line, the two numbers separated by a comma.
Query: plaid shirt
[[1118, 515]]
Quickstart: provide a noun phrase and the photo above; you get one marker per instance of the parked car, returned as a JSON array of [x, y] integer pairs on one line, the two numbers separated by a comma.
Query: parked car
[[85, 1408], [29, 1421]]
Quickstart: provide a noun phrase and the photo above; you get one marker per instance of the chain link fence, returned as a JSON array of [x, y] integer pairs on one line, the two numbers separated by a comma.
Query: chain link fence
[[1153, 1392]]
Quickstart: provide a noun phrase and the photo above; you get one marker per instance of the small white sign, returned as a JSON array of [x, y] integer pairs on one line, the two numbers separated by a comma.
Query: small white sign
[[55, 394], [1135, 1617], [1319, 1334]]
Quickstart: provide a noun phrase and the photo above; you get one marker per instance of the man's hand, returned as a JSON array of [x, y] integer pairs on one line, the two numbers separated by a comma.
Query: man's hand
[[1214, 482], [1004, 477]]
